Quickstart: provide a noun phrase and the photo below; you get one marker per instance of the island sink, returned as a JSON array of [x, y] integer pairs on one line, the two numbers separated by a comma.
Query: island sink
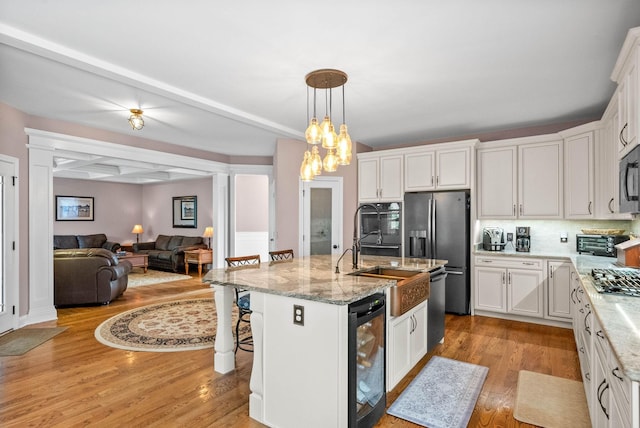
[[411, 289]]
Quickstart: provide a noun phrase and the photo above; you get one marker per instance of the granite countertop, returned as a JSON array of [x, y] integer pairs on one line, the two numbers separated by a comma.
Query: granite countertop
[[314, 277], [619, 316]]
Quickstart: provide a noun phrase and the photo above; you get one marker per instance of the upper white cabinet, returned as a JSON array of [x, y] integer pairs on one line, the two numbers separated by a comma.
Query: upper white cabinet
[[625, 73], [521, 179], [579, 175], [497, 182], [380, 177], [439, 167]]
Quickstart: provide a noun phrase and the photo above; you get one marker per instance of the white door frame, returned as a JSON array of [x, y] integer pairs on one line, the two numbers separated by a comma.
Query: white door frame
[[336, 184], [10, 286]]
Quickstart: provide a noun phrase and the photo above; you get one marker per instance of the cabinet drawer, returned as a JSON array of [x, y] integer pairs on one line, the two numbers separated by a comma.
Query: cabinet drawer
[[510, 262]]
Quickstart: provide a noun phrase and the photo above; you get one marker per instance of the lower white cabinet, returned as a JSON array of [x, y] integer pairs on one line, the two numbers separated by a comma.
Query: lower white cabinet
[[559, 289], [509, 285], [406, 343]]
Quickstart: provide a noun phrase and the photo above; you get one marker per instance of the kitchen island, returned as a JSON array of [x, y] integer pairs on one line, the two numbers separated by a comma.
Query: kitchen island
[[299, 371]]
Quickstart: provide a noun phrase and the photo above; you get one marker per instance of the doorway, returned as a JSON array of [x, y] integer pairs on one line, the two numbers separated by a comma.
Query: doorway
[[321, 216], [8, 258]]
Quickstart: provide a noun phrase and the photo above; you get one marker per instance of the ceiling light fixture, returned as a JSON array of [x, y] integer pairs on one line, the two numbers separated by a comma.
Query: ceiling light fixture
[[135, 120], [338, 147]]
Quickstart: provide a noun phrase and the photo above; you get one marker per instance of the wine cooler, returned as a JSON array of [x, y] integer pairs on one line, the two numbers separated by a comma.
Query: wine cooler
[[367, 388]]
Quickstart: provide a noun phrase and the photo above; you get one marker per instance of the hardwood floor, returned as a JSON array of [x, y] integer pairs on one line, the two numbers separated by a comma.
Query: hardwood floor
[[73, 380]]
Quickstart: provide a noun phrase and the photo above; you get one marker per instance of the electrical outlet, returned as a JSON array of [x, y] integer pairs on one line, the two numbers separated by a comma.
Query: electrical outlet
[[564, 238], [298, 314], [509, 237]]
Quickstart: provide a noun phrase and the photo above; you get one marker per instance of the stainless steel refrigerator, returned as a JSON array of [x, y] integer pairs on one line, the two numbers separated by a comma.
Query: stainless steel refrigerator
[[436, 226]]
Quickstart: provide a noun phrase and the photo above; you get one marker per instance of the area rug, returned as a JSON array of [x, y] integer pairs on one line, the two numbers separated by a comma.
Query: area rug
[[139, 277], [550, 401], [442, 395], [20, 341], [183, 325]]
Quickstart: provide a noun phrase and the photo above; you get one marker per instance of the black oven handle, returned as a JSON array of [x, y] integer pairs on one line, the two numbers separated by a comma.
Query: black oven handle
[[626, 181]]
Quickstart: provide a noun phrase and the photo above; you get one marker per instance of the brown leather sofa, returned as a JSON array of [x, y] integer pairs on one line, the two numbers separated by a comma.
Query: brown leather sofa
[[167, 252], [86, 276], [97, 240]]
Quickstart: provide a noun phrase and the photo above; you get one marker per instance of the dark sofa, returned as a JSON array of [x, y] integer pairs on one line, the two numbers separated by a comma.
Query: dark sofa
[[83, 276], [97, 240], [167, 252]]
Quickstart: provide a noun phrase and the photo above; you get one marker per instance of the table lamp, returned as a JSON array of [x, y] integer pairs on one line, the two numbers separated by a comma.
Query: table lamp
[[137, 229], [208, 233]]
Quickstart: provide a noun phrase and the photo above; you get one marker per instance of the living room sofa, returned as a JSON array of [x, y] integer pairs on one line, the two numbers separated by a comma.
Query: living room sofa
[[167, 252], [97, 240], [83, 276]]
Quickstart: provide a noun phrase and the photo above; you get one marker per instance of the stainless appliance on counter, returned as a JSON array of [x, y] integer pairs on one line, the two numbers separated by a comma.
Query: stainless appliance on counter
[[599, 245], [624, 281], [493, 239], [523, 239], [381, 235], [436, 226]]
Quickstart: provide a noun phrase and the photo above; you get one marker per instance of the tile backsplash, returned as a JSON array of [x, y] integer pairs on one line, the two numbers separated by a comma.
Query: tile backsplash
[[545, 234]]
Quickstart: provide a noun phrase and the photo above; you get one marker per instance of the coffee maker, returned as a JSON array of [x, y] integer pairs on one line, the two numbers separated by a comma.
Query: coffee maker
[[523, 239]]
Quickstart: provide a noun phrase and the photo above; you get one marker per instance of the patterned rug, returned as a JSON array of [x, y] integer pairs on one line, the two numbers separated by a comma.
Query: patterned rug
[[139, 277], [442, 395], [183, 325]]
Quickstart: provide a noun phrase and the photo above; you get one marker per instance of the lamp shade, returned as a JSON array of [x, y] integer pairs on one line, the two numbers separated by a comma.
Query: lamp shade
[[137, 229], [208, 232]]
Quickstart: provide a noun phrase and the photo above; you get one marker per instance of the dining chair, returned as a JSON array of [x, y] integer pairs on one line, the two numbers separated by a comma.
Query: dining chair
[[243, 301], [281, 255]]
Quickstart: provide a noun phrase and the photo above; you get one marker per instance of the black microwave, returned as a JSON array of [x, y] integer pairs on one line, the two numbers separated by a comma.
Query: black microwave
[[599, 245], [629, 175]]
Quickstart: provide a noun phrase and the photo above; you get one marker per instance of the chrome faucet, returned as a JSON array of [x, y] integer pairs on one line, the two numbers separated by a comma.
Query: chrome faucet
[[356, 241]]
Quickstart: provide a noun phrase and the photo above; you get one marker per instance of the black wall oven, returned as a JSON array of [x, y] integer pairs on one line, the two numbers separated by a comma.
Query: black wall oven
[[381, 237], [367, 385]]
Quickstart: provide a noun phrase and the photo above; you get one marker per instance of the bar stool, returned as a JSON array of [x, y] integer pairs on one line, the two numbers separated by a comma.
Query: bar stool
[[243, 300]]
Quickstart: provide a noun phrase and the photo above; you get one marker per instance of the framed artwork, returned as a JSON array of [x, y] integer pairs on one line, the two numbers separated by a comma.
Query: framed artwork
[[74, 208], [185, 211]]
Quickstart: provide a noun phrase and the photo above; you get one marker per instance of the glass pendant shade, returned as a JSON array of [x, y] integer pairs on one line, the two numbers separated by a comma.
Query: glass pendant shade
[[330, 162], [314, 132], [306, 171], [330, 138], [316, 161], [135, 120], [344, 146]]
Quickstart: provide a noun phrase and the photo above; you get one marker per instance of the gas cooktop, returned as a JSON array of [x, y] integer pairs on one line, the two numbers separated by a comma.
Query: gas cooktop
[[623, 281]]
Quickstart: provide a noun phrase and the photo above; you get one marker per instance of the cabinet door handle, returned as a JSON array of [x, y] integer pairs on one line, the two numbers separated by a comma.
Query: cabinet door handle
[[528, 263], [615, 372], [609, 205], [514, 210], [509, 278], [504, 275], [621, 137], [520, 209], [486, 261], [437, 180], [551, 272], [600, 334], [432, 180], [590, 207], [601, 390]]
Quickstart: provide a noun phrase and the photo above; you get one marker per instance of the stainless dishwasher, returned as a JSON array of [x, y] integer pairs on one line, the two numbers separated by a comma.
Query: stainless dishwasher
[[435, 307]]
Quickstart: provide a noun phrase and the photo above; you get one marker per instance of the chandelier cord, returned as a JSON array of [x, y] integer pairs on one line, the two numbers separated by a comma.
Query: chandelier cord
[[343, 114]]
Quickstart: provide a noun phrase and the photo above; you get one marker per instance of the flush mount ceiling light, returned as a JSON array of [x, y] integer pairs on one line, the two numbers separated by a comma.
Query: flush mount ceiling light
[[135, 120], [338, 146]]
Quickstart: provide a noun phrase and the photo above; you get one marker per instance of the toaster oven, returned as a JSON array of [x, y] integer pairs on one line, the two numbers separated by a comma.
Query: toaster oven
[[599, 245]]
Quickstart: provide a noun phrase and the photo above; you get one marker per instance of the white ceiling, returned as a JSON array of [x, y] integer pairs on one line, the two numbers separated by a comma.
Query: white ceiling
[[229, 77]]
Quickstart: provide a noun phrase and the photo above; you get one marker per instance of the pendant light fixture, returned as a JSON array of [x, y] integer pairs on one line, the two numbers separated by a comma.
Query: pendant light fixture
[[135, 120], [338, 146]]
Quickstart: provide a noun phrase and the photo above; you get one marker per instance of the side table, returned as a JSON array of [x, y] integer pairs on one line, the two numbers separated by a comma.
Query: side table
[[137, 260], [197, 256]]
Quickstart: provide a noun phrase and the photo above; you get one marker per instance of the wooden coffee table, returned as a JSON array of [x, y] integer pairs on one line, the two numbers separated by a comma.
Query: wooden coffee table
[[136, 260], [197, 256]]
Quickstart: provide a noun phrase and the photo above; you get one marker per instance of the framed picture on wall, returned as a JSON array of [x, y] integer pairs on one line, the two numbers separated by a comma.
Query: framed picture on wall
[[185, 211], [74, 208]]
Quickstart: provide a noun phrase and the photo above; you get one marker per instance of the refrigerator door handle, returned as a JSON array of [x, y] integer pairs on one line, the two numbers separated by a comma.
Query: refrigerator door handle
[[430, 225], [433, 229]]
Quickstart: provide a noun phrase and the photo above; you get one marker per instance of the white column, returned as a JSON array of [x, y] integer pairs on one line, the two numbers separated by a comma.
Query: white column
[[224, 357], [256, 383]]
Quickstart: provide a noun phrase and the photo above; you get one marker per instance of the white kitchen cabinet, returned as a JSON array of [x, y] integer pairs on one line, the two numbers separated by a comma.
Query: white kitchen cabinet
[[380, 177], [625, 74], [559, 289], [521, 180], [509, 285], [540, 189], [497, 182], [579, 176], [441, 167], [406, 343]]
